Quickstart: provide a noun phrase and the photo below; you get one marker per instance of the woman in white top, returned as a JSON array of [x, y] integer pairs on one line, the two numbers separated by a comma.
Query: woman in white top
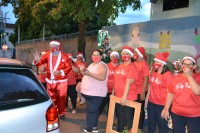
[[94, 88]]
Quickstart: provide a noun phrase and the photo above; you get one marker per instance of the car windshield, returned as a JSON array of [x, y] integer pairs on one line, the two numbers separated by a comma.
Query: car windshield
[[19, 87]]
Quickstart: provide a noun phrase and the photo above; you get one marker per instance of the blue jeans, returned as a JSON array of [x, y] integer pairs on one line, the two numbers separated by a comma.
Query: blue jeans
[[180, 122], [154, 118], [92, 110], [106, 100]]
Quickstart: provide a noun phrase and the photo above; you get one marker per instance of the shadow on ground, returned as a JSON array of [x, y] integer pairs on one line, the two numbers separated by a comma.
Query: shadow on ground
[[75, 123]]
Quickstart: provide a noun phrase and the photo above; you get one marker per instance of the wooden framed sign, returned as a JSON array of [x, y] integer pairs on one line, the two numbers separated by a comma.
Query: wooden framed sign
[[135, 105]]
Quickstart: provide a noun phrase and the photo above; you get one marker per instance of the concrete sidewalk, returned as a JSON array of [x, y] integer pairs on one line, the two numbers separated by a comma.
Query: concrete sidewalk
[[75, 123]]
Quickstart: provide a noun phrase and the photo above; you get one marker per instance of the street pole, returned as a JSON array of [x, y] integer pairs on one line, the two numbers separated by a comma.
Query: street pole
[[43, 32], [18, 34], [5, 19]]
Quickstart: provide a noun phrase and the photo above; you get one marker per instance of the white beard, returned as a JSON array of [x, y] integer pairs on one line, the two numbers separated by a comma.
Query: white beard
[[55, 53]]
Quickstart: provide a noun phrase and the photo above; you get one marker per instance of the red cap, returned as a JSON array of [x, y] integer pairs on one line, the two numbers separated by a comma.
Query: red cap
[[79, 54], [162, 57], [128, 49], [140, 51]]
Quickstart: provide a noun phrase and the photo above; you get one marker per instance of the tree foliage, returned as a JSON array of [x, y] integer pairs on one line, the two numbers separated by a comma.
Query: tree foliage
[[59, 15]]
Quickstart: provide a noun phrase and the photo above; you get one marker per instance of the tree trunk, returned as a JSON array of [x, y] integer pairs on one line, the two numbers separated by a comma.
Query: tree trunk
[[81, 40]]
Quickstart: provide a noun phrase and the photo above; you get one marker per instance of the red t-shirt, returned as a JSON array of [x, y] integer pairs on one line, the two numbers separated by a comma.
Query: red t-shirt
[[122, 73], [78, 63], [158, 87], [111, 77], [143, 71], [42, 76], [185, 102], [72, 76]]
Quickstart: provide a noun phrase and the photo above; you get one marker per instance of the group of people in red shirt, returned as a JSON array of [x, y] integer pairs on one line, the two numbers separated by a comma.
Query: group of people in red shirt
[[161, 92], [156, 88]]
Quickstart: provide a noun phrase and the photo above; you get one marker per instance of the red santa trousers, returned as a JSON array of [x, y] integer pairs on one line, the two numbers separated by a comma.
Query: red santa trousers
[[58, 93]]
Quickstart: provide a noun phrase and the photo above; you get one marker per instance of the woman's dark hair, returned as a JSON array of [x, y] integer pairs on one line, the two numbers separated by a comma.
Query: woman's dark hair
[[132, 59], [100, 52], [73, 62], [165, 69]]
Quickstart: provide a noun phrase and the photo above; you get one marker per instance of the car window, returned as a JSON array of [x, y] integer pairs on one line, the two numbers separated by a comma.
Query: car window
[[19, 87]]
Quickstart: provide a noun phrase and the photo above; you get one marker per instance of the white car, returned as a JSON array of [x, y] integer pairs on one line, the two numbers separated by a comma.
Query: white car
[[25, 106]]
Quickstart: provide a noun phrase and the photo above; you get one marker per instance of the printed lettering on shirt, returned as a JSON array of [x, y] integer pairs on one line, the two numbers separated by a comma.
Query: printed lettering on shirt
[[111, 72], [182, 86], [156, 80], [122, 72]]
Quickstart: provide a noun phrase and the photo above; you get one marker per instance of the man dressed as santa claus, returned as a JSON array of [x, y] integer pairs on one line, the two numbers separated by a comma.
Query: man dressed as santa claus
[[58, 67]]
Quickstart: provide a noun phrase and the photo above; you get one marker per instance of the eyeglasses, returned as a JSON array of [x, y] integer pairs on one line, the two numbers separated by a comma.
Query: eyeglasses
[[185, 64]]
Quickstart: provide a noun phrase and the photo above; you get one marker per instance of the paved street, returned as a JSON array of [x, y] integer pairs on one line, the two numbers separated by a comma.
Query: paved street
[[75, 123]]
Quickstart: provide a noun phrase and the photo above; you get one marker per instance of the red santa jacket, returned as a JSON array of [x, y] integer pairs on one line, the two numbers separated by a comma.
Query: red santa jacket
[[62, 64]]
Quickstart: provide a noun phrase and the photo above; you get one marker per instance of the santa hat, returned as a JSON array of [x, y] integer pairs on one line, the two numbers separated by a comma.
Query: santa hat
[[162, 57], [128, 49], [140, 51], [70, 55], [114, 53], [43, 52], [190, 58], [80, 54], [56, 42]]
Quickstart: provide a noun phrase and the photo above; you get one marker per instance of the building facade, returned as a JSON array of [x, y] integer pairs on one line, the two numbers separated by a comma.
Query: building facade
[[6, 29], [168, 9]]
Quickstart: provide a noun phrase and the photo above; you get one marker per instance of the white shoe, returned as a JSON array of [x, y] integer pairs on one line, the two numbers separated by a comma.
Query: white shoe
[[94, 130], [82, 102], [73, 111]]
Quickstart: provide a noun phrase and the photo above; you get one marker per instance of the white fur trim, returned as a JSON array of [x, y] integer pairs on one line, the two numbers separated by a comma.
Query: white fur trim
[[54, 43], [114, 53], [55, 81], [188, 57], [127, 50], [62, 73], [43, 53], [158, 60], [80, 55], [139, 52], [56, 65]]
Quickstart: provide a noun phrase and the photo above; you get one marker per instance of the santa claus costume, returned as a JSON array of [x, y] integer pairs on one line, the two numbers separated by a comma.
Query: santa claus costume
[[58, 67]]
